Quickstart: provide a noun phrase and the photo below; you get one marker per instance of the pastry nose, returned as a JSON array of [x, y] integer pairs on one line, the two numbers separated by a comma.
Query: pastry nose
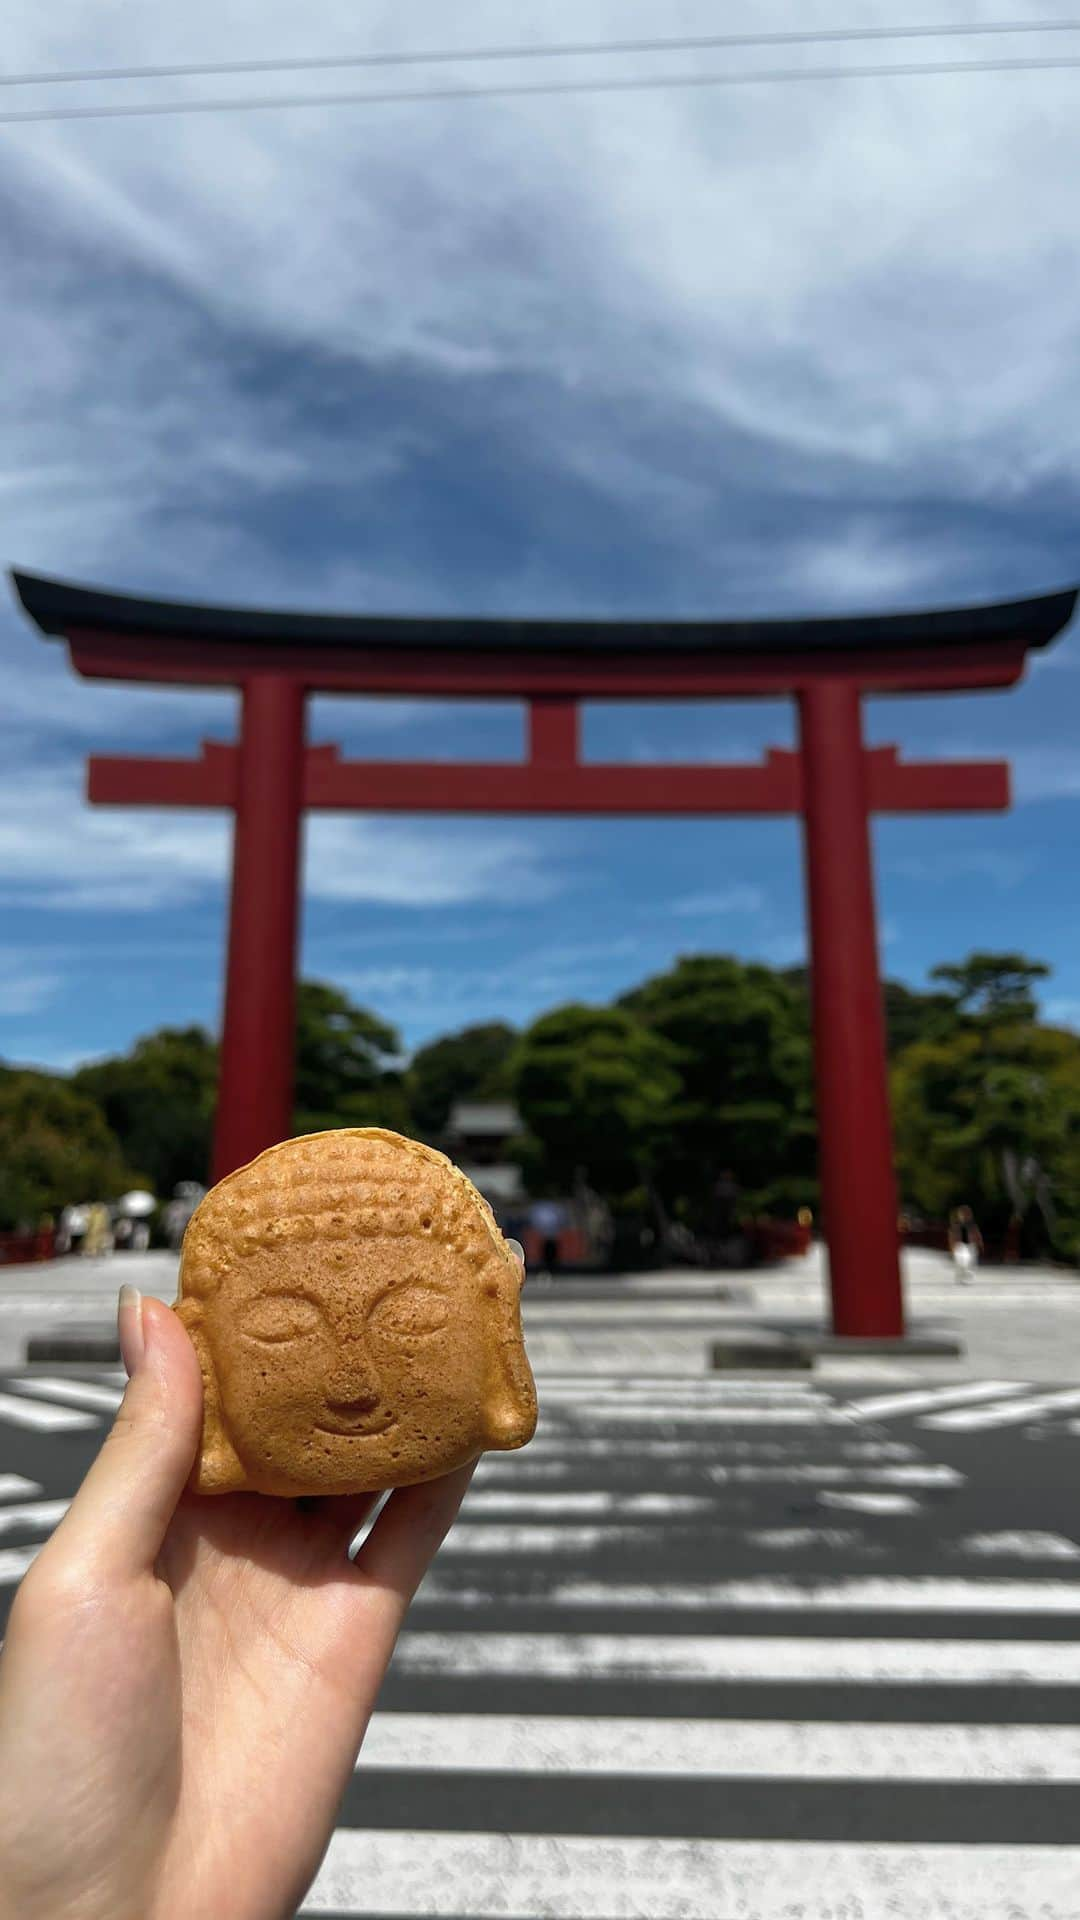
[[353, 1384]]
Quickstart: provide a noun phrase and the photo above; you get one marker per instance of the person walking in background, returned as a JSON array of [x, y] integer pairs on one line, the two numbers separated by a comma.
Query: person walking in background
[[965, 1244], [98, 1238], [548, 1218]]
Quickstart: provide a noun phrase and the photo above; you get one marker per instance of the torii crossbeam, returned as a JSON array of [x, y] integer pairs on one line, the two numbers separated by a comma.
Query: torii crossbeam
[[834, 782]]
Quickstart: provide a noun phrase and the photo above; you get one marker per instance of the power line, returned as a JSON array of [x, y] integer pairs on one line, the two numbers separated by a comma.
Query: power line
[[533, 89], [682, 43]]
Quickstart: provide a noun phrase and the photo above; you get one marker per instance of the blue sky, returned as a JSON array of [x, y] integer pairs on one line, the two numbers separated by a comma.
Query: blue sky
[[776, 349]]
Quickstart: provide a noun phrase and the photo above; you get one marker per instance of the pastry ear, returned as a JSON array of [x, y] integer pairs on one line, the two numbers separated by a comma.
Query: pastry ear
[[217, 1468], [510, 1407]]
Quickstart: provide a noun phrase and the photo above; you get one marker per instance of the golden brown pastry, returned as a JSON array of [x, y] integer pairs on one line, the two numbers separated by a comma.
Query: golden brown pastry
[[356, 1314]]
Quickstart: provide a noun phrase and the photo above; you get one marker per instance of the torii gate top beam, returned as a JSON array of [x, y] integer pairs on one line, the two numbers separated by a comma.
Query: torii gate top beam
[[121, 637]]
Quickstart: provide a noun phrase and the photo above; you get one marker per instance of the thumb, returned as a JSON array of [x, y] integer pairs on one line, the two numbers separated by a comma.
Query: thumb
[[117, 1521]]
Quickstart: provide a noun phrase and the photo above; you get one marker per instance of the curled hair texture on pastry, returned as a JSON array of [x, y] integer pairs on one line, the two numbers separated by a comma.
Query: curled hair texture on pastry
[[306, 1189]]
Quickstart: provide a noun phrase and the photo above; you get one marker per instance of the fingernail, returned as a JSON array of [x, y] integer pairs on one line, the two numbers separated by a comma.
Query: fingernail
[[517, 1250], [130, 1327]]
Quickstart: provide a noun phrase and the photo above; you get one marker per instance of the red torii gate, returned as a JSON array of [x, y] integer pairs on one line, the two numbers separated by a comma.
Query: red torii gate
[[834, 782]]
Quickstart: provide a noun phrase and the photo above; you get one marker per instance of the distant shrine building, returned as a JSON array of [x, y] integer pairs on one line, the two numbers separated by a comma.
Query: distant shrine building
[[832, 781]]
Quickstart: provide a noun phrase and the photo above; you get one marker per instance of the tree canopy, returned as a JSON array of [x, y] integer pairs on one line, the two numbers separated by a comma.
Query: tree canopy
[[472, 1064], [701, 1071], [739, 1036], [348, 1071], [595, 1088], [159, 1102], [55, 1147]]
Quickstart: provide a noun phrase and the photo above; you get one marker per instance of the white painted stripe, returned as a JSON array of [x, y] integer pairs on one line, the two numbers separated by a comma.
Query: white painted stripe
[[550, 1448], [13, 1486], [1020, 1545], [780, 1414], [72, 1393], [860, 1502], [674, 1389], [541, 1311], [533, 1537], [27, 1413], [692, 1656], [793, 1539], [14, 1562], [669, 1383], [878, 1406], [926, 1593], [825, 1474], [516, 1876], [728, 1749], [1012, 1414], [615, 1505], [33, 1513]]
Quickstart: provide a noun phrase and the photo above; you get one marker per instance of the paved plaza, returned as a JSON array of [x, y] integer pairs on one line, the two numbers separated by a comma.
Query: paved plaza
[[715, 1646]]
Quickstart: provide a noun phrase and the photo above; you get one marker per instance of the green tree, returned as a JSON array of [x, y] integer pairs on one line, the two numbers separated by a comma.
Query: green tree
[[993, 986], [347, 1071], [56, 1148], [911, 1015], [472, 1064], [972, 1107], [159, 1102], [740, 1035], [595, 1089]]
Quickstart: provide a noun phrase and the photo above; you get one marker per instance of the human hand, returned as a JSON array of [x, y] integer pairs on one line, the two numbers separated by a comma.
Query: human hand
[[197, 1672]]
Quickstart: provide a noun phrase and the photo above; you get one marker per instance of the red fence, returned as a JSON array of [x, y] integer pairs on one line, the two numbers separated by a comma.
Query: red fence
[[17, 1249]]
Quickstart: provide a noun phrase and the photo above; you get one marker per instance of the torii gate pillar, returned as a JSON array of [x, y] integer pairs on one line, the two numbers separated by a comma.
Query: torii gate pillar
[[257, 1040], [855, 1151]]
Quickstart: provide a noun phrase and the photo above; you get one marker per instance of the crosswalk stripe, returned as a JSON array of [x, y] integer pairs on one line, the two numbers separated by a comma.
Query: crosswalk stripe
[[72, 1393], [780, 1414], [1018, 1543], [549, 1449], [44, 1419], [14, 1486], [731, 1749], [704, 1657], [1013, 1413], [45, 1514], [878, 1406], [508, 1876], [665, 1506], [669, 1385], [857, 1500], [695, 1392], [929, 1593], [535, 1537], [825, 1474]]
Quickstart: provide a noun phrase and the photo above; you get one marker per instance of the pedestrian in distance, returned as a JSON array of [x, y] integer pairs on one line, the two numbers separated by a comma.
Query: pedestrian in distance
[[965, 1245]]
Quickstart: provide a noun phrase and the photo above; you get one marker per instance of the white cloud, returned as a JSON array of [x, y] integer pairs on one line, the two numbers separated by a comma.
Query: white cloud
[[25, 986], [55, 851], [846, 270], [716, 904], [1001, 867]]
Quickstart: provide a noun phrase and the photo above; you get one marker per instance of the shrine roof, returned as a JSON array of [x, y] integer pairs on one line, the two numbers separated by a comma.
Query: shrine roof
[[61, 607]]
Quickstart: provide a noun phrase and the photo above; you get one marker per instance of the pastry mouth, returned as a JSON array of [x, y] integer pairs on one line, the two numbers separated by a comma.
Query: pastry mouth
[[359, 1423]]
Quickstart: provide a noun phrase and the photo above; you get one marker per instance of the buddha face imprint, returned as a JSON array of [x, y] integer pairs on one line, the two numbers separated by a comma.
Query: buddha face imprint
[[400, 1361], [339, 1354]]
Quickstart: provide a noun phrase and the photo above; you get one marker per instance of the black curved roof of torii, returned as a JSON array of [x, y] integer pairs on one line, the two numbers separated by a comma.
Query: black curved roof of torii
[[61, 607]]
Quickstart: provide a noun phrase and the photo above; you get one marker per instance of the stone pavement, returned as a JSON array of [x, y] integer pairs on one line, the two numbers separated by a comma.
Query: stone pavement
[[1013, 1323]]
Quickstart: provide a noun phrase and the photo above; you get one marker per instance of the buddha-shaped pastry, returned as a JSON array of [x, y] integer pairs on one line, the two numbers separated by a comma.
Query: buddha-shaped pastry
[[356, 1314]]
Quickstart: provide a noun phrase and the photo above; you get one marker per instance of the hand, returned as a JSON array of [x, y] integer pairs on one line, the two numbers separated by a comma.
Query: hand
[[186, 1681]]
